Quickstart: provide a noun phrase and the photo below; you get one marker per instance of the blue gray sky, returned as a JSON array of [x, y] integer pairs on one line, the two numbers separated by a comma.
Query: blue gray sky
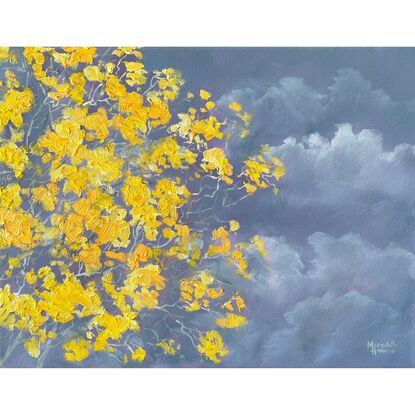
[[341, 235]]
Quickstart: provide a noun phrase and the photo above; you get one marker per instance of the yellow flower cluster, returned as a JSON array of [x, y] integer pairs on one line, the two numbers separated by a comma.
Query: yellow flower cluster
[[211, 345], [169, 347], [10, 196], [108, 209], [4, 52], [221, 236], [46, 195], [68, 58], [14, 157], [152, 208], [169, 81], [17, 229], [167, 153], [238, 260], [259, 171], [76, 350], [14, 105], [139, 354], [231, 321], [196, 292], [215, 159]]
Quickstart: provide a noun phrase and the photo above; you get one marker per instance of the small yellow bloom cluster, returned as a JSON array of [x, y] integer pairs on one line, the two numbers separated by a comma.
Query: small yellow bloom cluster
[[68, 58], [14, 157], [14, 105], [196, 292], [136, 74], [139, 354], [245, 117], [76, 350], [46, 195], [169, 347], [238, 260], [167, 153], [211, 345], [260, 171], [231, 321], [236, 302], [215, 159], [221, 236], [4, 52], [260, 245], [169, 81], [17, 229], [222, 245], [10, 196]]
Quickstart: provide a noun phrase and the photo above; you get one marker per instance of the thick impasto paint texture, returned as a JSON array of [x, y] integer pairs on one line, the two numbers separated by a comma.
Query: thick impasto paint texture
[[117, 191], [207, 207]]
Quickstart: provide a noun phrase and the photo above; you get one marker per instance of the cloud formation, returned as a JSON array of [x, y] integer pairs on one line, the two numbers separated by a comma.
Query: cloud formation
[[293, 107], [321, 312], [341, 232], [349, 183]]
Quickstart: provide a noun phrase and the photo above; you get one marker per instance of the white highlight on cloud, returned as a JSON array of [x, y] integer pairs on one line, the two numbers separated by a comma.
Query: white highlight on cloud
[[325, 312]]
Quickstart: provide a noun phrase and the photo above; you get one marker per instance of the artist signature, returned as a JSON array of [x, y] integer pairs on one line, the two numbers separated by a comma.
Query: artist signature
[[376, 348]]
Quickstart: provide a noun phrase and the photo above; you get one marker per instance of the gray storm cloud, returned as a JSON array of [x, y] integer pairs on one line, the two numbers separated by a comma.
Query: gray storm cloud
[[340, 234], [324, 313]]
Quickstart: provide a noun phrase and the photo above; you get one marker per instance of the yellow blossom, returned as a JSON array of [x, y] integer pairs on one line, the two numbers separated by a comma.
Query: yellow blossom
[[16, 229], [215, 159], [76, 350], [233, 225], [205, 94], [78, 55], [140, 254], [119, 256], [114, 88], [4, 52], [260, 245], [136, 74], [32, 347], [138, 354], [46, 195], [235, 106], [169, 347], [231, 321], [209, 128], [211, 345], [15, 104], [14, 157], [210, 105], [93, 73], [90, 256], [10, 196]]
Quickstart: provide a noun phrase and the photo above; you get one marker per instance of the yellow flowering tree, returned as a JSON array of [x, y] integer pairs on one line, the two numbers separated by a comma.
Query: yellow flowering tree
[[116, 186]]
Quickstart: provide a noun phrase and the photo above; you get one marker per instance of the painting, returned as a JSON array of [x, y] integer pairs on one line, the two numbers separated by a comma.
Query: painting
[[206, 207]]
